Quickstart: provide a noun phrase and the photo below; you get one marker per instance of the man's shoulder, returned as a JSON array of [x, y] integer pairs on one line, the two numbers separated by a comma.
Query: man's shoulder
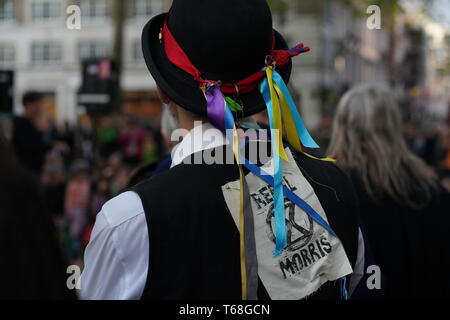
[[326, 176], [323, 169], [187, 175], [122, 208]]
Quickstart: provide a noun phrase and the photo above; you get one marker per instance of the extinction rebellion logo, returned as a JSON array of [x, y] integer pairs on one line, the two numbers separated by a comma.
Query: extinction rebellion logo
[[303, 249]]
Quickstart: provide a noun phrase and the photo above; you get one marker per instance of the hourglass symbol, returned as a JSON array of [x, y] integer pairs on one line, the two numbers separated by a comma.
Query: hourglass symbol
[[297, 235]]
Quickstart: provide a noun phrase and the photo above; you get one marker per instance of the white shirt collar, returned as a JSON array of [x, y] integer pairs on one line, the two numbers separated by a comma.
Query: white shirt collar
[[202, 137]]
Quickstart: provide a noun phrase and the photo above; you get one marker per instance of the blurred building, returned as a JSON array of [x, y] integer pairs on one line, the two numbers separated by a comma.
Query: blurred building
[[438, 62], [344, 53], [427, 65], [410, 53], [46, 55]]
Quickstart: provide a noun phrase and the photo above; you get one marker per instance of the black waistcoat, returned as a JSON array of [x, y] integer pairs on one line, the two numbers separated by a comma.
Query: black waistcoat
[[194, 242]]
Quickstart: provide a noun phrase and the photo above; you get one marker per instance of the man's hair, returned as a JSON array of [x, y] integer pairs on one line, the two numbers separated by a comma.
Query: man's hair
[[31, 97]]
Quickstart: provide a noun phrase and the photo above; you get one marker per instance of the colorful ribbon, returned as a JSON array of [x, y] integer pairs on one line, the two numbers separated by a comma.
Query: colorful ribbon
[[302, 204], [274, 113], [220, 115], [215, 107], [296, 131], [291, 114], [280, 106]]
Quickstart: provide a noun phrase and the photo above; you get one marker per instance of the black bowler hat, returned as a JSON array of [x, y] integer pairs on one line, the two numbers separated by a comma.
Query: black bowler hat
[[226, 40]]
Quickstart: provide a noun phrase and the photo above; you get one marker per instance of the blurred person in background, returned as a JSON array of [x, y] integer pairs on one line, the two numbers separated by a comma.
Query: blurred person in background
[[150, 154], [414, 141], [116, 172], [77, 202], [31, 261], [445, 165], [54, 184], [100, 195], [65, 138], [85, 138], [131, 141], [168, 125], [29, 133], [403, 207], [432, 147], [444, 148], [108, 137]]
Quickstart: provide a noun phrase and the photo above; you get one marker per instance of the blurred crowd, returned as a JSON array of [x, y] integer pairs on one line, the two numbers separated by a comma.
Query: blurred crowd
[[81, 167], [426, 137]]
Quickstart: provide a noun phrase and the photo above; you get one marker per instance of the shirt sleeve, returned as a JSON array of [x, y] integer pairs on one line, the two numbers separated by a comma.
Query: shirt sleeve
[[102, 263], [116, 259]]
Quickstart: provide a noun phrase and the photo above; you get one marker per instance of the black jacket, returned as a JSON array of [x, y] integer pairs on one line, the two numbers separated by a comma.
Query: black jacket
[[28, 143], [410, 246], [31, 263], [194, 243]]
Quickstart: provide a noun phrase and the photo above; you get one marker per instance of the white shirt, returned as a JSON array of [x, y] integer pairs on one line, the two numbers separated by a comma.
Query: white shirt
[[116, 259]]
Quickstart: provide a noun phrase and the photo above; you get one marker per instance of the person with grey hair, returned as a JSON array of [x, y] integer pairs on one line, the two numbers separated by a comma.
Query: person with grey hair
[[403, 207]]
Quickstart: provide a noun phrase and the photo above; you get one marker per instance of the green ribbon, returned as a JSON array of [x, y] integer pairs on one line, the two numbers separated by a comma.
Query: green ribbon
[[234, 106]]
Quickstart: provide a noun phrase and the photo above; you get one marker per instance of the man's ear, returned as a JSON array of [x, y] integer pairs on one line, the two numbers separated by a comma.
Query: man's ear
[[162, 96]]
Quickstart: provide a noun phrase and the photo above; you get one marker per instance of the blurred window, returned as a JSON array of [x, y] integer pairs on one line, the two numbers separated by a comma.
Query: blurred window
[[7, 56], [138, 56], [94, 10], [7, 11], [45, 10], [46, 53], [147, 8], [92, 50]]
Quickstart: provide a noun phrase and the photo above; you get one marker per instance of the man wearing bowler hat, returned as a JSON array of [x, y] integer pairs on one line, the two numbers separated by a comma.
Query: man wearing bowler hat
[[285, 228]]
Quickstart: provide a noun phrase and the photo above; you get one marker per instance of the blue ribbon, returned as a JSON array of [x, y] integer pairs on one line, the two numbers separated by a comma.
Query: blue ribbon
[[278, 195], [306, 139], [277, 181], [302, 204], [229, 125], [344, 293]]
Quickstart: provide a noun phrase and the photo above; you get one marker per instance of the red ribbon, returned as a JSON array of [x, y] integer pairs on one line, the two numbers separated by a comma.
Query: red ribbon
[[178, 57]]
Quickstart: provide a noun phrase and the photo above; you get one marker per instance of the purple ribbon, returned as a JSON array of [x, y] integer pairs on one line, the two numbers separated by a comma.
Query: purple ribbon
[[216, 107]]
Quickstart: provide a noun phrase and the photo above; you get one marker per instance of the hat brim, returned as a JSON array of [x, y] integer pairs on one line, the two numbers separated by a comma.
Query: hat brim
[[180, 86]]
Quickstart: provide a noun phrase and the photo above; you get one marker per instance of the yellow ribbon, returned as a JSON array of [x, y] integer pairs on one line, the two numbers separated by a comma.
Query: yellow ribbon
[[276, 116], [241, 217], [291, 130], [241, 208], [288, 121]]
